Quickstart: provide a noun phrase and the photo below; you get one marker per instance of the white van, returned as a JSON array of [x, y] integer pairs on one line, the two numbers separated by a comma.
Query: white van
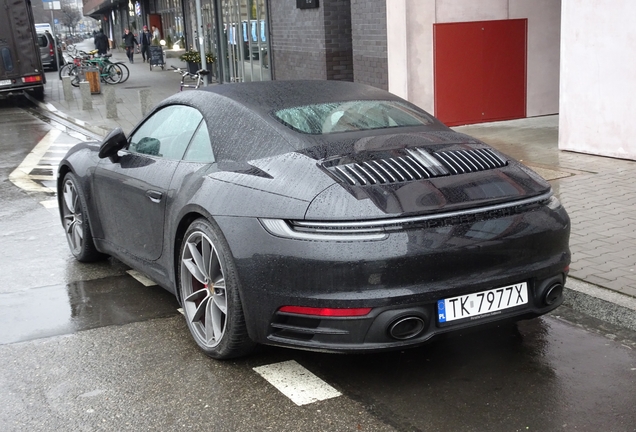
[[42, 27]]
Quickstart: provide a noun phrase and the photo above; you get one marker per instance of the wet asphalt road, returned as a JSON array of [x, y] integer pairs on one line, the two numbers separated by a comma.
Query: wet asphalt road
[[88, 347]]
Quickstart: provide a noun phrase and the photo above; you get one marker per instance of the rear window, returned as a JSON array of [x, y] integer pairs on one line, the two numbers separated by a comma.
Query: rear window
[[42, 40], [335, 117]]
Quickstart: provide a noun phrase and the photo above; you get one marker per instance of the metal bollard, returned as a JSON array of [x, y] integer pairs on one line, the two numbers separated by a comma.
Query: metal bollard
[[145, 101], [111, 102], [67, 89], [85, 90]]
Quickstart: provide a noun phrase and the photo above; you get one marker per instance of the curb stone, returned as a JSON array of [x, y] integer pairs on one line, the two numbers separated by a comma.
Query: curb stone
[[97, 130], [609, 306]]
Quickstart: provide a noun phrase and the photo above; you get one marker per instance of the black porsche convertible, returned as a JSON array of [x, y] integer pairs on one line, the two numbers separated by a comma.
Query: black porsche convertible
[[319, 215]]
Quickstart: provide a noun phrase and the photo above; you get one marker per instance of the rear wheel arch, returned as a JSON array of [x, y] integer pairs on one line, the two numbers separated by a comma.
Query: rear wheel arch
[[64, 169], [222, 299]]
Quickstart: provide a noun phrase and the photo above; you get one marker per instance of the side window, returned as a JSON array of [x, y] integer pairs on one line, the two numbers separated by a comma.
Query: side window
[[200, 149], [166, 133]]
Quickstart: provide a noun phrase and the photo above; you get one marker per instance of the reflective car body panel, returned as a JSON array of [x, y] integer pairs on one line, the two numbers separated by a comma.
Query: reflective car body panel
[[393, 219]]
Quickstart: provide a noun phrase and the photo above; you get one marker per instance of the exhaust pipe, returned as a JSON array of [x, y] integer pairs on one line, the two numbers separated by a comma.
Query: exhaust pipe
[[553, 294], [406, 327]]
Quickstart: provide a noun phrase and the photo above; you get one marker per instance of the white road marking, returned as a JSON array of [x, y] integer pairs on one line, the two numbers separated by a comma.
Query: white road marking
[[49, 204], [44, 178], [296, 382], [141, 278], [20, 176]]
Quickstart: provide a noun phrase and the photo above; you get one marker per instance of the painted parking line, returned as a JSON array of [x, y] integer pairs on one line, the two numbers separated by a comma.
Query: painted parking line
[[41, 164], [141, 278], [296, 382], [21, 175]]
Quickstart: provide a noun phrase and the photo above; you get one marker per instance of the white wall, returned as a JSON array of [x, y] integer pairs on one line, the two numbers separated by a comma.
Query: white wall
[[470, 10], [410, 50], [598, 77], [397, 54], [544, 35], [410, 45]]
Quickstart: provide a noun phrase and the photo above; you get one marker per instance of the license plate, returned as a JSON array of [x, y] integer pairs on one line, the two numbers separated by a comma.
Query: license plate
[[5, 82], [482, 304]]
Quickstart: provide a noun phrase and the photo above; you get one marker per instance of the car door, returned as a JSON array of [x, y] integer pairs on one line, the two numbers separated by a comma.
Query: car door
[[131, 194]]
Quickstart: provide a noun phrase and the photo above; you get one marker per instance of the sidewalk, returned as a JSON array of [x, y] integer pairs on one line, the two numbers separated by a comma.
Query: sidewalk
[[162, 83], [599, 193]]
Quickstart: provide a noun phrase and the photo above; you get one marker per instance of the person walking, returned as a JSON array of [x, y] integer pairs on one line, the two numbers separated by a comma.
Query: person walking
[[101, 42], [145, 39], [156, 36], [129, 42]]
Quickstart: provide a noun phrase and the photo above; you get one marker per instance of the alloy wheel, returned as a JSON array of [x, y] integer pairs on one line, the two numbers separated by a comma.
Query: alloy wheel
[[204, 289], [73, 217]]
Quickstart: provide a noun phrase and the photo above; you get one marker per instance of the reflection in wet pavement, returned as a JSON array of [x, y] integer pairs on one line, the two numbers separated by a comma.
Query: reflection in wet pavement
[[63, 309], [543, 374]]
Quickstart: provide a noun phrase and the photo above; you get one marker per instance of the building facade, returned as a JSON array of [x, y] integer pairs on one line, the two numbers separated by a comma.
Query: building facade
[[465, 61]]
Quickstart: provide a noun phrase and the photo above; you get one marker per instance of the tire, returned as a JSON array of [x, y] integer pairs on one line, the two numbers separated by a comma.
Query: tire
[[209, 290], [125, 72], [74, 73], [65, 70], [113, 74], [38, 93], [75, 221]]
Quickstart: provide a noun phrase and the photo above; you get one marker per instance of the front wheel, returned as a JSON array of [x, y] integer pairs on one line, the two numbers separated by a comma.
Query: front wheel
[[113, 74], [75, 221], [125, 72], [209, 290], [75, 73], [64, 70]]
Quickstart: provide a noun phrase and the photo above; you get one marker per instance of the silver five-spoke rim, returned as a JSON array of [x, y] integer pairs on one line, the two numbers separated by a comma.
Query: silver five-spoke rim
[[73, 218], [204, 293]]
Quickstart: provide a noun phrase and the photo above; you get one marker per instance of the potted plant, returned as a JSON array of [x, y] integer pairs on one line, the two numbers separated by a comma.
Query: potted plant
[[193, 58]]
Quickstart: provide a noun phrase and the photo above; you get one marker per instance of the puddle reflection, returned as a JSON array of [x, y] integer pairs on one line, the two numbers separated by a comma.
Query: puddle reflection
[[63, 309]]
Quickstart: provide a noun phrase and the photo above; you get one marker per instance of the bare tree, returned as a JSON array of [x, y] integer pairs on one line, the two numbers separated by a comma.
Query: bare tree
[[71, 16]]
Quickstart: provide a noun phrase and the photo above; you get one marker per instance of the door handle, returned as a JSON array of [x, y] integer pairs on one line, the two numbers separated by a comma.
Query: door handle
[[155, 196]]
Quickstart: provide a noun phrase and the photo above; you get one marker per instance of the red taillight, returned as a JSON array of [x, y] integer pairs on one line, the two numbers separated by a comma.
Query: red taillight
[[326, 312], [51, 49], [31, 79]]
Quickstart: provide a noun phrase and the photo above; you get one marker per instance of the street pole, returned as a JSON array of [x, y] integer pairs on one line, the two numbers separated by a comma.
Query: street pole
[[204, 63], [57, 59]]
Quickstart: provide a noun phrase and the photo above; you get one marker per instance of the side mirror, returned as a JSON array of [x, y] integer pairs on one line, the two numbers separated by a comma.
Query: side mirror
[[114, 141]]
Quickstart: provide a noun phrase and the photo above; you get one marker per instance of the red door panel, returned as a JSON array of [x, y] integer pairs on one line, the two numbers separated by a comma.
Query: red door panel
[[480, 71]]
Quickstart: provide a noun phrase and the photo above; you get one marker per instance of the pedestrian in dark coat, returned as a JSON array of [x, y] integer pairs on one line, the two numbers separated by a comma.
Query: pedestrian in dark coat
[[129, 42], [101, 43], [145, 39]]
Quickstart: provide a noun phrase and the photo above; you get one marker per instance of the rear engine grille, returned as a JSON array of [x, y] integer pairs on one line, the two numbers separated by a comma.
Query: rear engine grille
[[417, 164]]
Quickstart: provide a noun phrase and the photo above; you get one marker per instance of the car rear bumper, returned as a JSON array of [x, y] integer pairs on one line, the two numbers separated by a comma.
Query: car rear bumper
[[400, 277]]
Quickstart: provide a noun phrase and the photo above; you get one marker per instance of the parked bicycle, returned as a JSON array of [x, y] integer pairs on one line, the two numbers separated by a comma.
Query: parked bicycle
[[110, 73], [194, 80]]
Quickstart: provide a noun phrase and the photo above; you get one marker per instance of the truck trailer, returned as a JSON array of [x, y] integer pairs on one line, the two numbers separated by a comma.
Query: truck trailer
[[20, 64]]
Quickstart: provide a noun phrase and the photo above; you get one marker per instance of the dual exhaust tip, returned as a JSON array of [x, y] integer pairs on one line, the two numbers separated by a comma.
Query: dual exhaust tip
[[553, 294]]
